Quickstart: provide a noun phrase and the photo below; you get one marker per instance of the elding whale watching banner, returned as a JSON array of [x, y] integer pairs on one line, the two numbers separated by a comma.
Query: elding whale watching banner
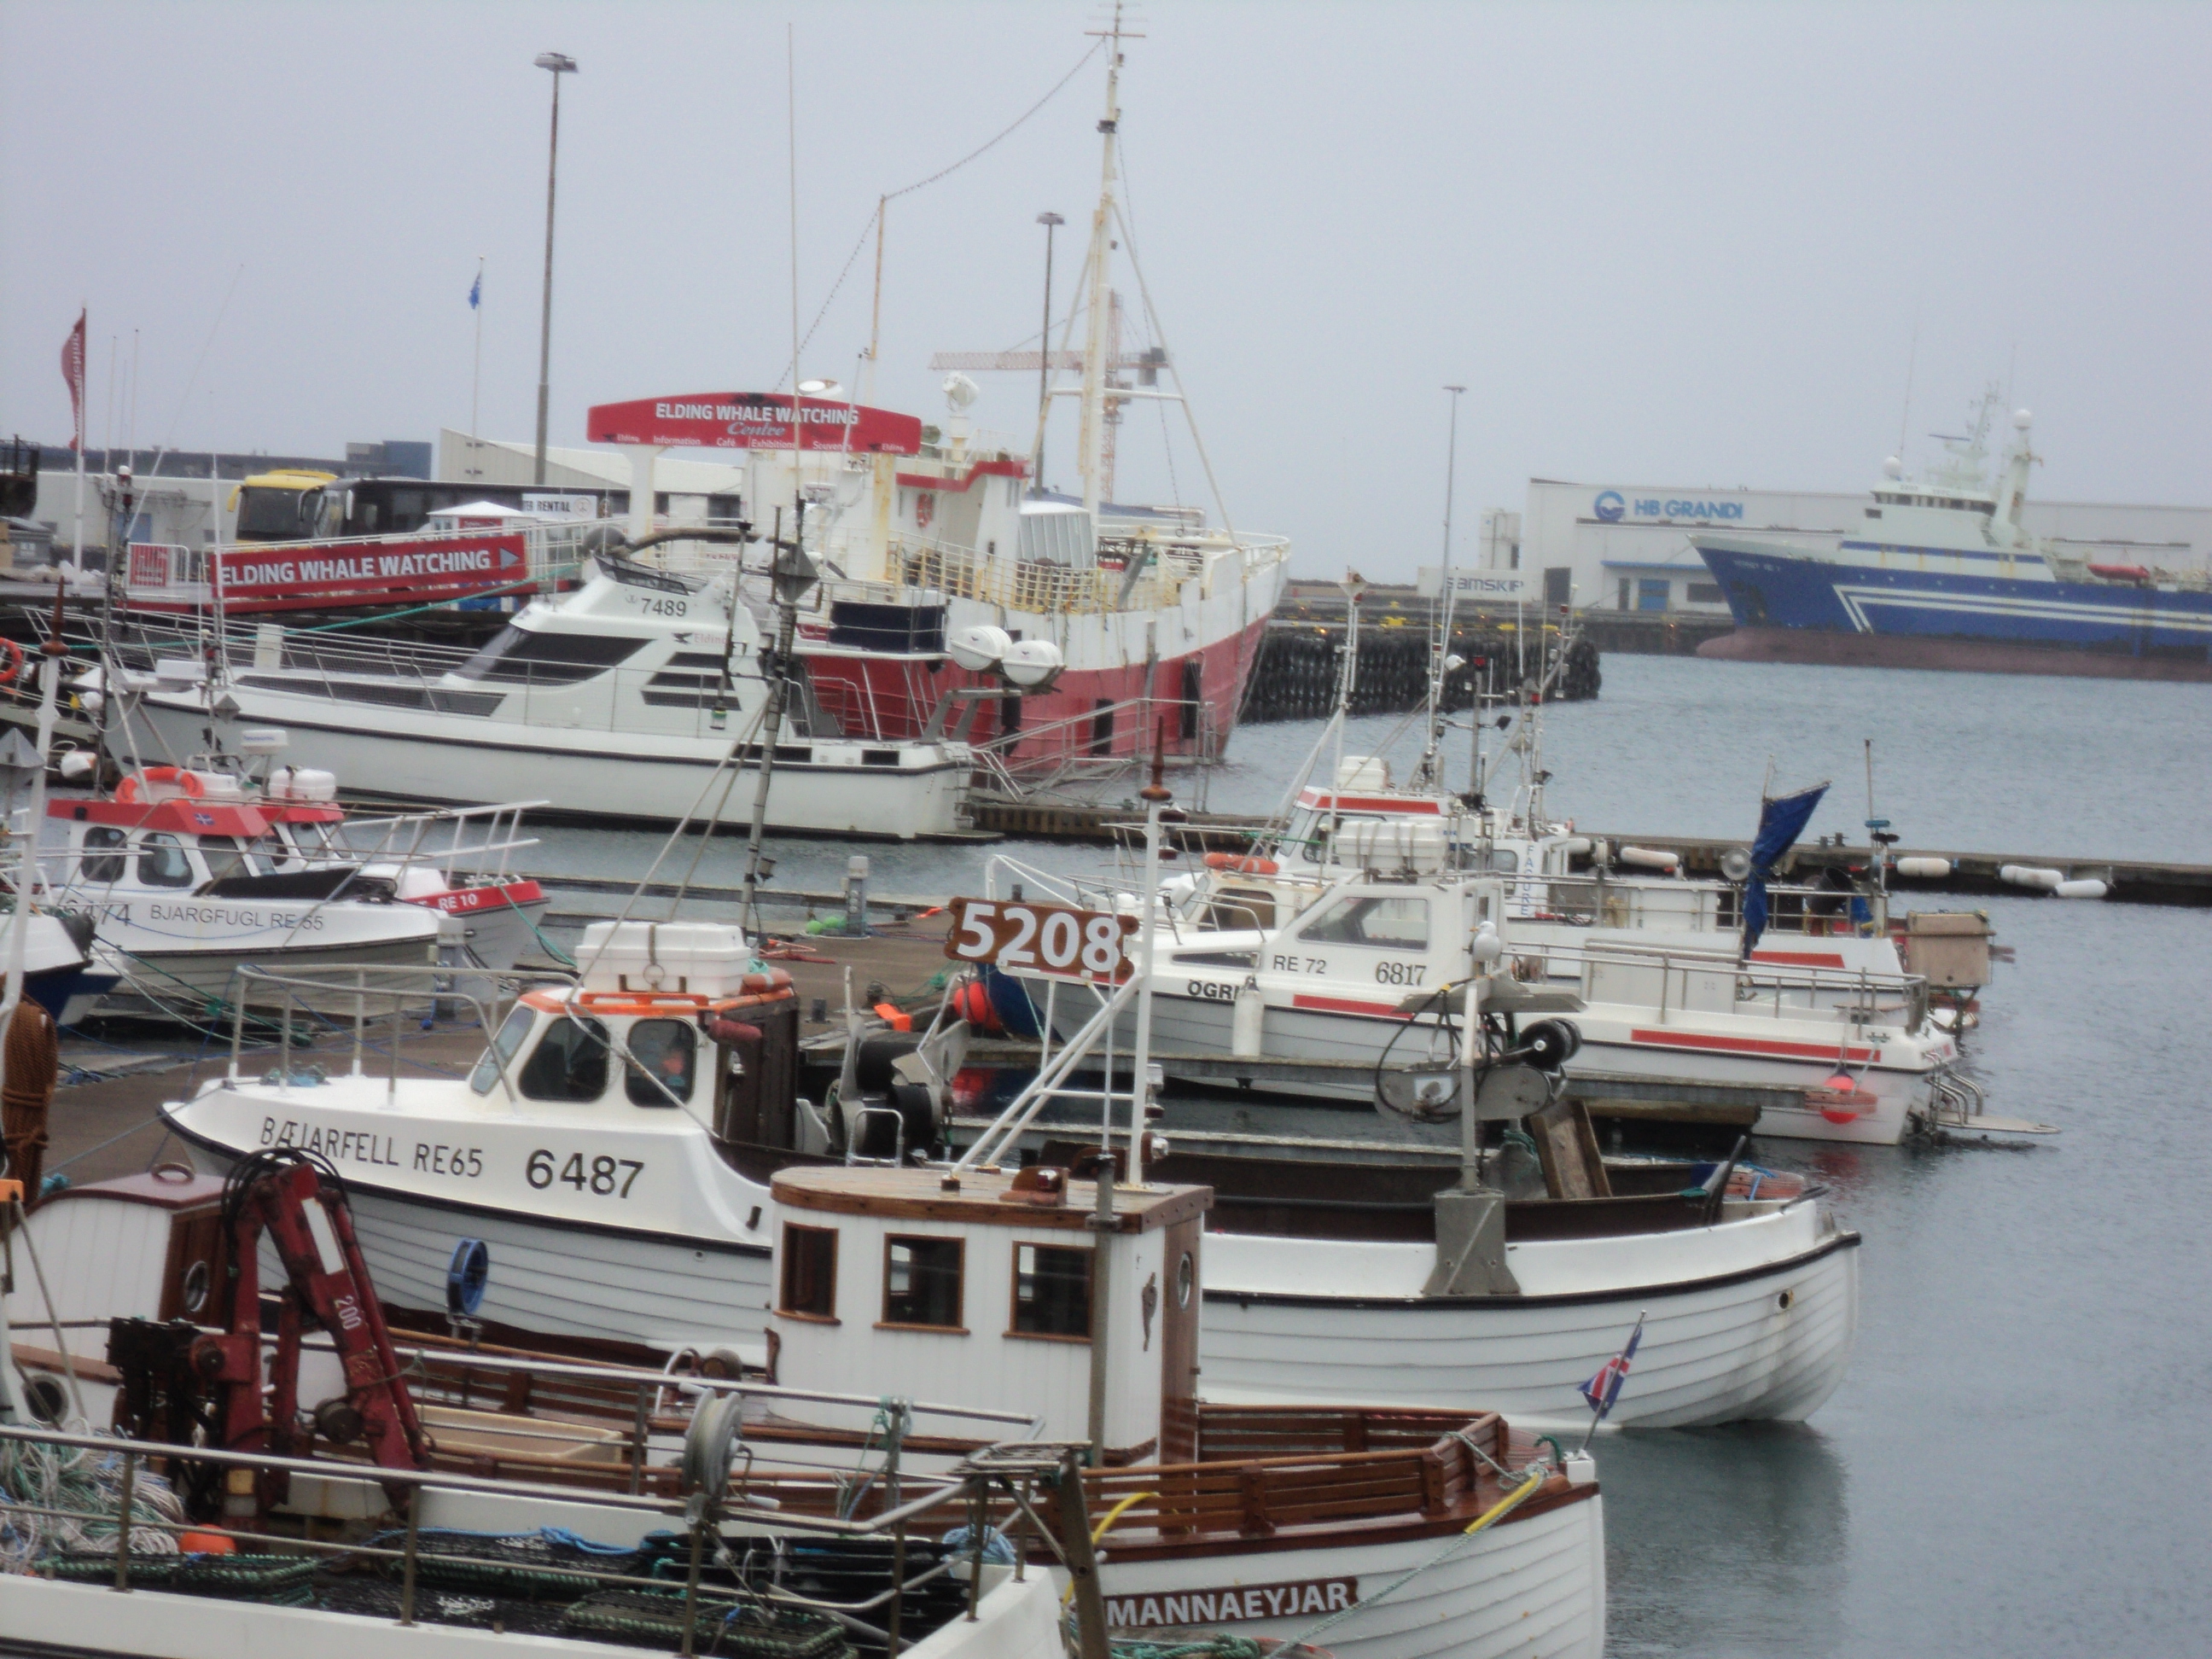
[[310, 576], [753, 419]]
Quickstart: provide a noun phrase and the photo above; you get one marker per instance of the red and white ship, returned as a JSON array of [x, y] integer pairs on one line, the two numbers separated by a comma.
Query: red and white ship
[[929, 540]]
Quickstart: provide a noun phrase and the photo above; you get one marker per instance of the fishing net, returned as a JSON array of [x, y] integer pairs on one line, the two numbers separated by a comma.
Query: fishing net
[[744, 1630], [283, 1580], [551, 1564], [89, 1484]]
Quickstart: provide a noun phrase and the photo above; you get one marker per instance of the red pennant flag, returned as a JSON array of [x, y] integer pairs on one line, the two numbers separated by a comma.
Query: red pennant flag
[[73, 372]]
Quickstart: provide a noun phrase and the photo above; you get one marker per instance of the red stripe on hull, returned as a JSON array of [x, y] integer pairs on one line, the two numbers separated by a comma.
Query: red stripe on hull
[[1820, 645], [1347, 1006], [1728, 1045]]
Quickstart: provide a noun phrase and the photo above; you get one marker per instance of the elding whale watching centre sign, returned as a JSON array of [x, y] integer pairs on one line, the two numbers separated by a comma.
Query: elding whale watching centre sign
[[753, 419]]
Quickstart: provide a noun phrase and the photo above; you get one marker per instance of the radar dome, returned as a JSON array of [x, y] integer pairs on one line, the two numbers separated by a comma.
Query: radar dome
[[960, 391], [1893, 468], [2022, 420]]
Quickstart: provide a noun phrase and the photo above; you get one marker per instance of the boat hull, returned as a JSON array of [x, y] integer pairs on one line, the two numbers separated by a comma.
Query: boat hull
[[1532, 1585], [1794, 607], [1753, 1319], [1107, 657], [426, 759], [1362, 1033]]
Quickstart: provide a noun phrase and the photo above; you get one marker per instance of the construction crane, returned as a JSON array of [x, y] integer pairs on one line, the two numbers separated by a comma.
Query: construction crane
[[1145, 365]]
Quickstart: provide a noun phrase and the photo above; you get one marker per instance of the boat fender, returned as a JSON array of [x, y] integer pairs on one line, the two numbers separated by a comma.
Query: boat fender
[[774, 979], [735, 1033], [1249, 864], [1925, 869], [2085, 889], [972, 1003], [2029, 875], [466, 1276], [1248, 1020], [1838, 1098], [1648, 858], [134, 788]]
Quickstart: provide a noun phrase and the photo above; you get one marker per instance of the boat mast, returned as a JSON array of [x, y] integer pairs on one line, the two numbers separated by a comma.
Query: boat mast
[[1428, 775], [1096, 347]]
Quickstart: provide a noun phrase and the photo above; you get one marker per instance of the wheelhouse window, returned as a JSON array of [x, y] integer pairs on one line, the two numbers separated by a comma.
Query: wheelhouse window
[[1052, 1291], [662, 1053], [516, 654], [809, 1285], [921, 1282], [101, 862], [1391, 922], [569, 1062], [162, 861], [225, 858], [503, 1050]]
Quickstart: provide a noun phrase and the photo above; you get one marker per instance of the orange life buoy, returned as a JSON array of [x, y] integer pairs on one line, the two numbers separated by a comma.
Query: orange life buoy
[[128, 792], [1249, 864], [15, 660]]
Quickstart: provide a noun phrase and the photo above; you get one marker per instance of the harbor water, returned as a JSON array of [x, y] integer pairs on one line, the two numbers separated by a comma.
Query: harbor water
[[2019, 1459]]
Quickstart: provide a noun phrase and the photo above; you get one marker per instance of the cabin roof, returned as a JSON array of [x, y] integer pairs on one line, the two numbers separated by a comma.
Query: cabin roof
[[163, 1191], [185, 815], [919, 1195]]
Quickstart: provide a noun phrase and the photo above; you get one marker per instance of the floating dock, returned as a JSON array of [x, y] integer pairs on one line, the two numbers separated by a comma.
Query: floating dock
[[2132, 881]]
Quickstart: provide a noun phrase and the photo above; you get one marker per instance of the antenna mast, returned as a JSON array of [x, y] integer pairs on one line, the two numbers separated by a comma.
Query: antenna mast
[[1097, 350], [1428, 774]]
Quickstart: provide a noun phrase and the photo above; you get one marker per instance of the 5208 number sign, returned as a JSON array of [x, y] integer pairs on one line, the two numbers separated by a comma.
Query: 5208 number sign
[[1056, 940]]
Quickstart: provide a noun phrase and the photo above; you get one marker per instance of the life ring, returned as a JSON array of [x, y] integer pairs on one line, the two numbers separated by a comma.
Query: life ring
[[924, 510], [1249, 864], [15, 660], [188, 784]]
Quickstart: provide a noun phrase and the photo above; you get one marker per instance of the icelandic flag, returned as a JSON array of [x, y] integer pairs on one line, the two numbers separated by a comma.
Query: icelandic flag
[[1604, 1388], [476, 292], [1780, 823]]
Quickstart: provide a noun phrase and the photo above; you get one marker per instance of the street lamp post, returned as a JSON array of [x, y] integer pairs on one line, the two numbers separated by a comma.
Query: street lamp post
[[559, 64], [1051, 222]]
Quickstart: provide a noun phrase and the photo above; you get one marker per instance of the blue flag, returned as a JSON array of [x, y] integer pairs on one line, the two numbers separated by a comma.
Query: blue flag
[[1780, 823], [476, 292]]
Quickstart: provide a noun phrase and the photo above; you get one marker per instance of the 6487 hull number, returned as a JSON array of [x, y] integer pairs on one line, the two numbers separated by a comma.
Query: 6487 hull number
[[608, 1177]]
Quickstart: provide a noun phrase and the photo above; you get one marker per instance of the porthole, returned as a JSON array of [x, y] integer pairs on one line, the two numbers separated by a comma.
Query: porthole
[[1783, 1301], [1186, 1277]]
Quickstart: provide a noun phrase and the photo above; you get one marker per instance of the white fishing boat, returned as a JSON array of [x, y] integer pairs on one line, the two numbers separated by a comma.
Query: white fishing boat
[[638, 697], [1362, 976], [185, 880], [1391, 1533]]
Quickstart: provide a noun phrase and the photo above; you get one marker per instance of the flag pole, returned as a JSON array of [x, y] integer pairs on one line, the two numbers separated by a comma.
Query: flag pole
[[76, 366], [475, 379]]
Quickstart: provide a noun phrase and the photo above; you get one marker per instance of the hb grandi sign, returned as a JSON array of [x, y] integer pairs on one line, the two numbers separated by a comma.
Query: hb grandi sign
[[753, 419], [1611, 506]]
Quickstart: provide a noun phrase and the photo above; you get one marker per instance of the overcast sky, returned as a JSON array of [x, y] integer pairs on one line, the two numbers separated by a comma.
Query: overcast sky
[[1662, 244]]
